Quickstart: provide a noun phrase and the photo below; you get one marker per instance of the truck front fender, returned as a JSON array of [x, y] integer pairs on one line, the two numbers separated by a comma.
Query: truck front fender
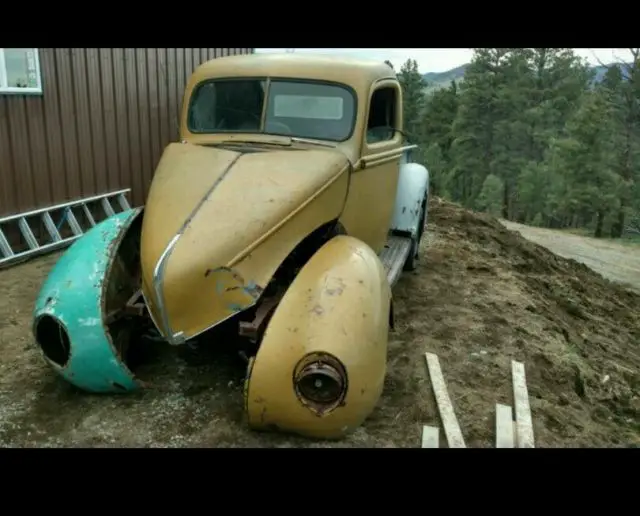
[[333, 321], [69, 316]]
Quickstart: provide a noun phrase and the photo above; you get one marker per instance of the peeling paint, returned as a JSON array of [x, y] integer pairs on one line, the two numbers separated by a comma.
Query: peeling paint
[[235, 307], [93, 364], [253, 289], [250, 287], [90, 321]]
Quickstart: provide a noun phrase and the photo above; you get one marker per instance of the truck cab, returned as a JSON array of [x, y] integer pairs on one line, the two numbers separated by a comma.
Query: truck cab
[[352, 106], [286, 212]]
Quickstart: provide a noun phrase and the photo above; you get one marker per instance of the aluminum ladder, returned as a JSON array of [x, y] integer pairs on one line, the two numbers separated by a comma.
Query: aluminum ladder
[[110, 204]]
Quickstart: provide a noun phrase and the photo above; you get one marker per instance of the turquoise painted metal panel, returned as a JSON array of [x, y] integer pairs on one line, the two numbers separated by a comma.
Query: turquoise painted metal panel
[[72, 295]]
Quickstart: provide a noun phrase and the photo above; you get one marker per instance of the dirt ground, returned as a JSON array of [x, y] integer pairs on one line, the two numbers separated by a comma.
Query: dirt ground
[[482, 296]]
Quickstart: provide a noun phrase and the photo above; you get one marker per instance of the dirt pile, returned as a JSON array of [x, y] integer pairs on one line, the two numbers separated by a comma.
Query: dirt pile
[[481, 296], [485, 295]]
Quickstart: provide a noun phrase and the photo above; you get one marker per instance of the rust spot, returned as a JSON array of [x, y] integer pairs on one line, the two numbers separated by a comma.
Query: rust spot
[[233, 273], [255, 329]]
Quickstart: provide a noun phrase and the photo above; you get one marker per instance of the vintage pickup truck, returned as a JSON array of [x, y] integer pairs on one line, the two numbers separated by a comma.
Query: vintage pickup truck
[[287, 210]]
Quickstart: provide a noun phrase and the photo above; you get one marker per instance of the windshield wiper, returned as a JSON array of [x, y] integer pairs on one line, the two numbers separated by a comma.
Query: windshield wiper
[[312, 142], [279, 143]]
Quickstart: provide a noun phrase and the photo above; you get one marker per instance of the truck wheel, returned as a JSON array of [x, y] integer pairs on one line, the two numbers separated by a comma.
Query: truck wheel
[[412, 259]]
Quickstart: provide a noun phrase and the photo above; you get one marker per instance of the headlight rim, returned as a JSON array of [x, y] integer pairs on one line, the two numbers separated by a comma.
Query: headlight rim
[[333, 368]]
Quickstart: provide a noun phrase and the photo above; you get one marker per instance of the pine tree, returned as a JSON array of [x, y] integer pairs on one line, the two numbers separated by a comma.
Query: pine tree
[[413, 85]]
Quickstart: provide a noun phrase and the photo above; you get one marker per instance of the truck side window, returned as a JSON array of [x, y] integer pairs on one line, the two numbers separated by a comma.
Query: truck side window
[[382, 115]]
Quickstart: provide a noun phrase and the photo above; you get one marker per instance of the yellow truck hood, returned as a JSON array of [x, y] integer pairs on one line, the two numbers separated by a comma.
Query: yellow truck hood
[[208, 213]]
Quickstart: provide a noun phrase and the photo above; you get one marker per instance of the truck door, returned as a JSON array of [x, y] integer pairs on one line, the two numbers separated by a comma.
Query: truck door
[[369, 209]]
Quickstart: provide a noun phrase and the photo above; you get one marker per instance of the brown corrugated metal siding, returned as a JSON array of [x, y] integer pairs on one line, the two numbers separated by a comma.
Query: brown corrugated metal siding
[[100, 125]]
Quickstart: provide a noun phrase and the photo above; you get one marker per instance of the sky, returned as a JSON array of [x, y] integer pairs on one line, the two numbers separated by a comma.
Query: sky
[[440, 59]]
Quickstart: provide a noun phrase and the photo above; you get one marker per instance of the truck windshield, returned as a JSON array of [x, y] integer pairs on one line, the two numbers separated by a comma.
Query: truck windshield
[[292, 108]]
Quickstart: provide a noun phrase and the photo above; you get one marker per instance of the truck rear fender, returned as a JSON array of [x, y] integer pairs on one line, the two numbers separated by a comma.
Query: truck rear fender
[[412, 192]]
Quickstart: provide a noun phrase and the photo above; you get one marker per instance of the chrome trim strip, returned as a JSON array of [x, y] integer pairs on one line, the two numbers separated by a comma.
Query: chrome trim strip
[[149, 311], [369, 162], [159, 270], [158, 278]]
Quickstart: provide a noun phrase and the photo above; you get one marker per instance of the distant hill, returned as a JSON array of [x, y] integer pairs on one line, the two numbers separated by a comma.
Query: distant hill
[[446, 77], [436, 80]]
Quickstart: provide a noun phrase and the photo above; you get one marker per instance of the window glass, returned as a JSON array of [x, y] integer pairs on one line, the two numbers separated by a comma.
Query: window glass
[[21, 69], [294, 108], [229, 105], [308, 106], [382, 114], [310, 110]]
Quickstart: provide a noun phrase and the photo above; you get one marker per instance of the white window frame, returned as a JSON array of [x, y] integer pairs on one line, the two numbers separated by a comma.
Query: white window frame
[[6, 90]]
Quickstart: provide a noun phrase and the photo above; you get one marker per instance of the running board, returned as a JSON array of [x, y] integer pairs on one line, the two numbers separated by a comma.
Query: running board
[[394, 255], [48, 229]]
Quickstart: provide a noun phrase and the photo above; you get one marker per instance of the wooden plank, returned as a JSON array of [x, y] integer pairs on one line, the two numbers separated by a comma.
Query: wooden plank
[[504, 426], [430, 437], [523, 409], [447, 415]]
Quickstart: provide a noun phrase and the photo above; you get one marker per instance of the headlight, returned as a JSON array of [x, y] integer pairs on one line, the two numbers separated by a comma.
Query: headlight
[[320, 381]]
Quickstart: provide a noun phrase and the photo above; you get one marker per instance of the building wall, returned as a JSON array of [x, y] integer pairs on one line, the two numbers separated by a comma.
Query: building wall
[[103, 119]]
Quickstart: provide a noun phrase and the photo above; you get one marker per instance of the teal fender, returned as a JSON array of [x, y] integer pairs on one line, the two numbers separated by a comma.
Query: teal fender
[[68, 319]]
